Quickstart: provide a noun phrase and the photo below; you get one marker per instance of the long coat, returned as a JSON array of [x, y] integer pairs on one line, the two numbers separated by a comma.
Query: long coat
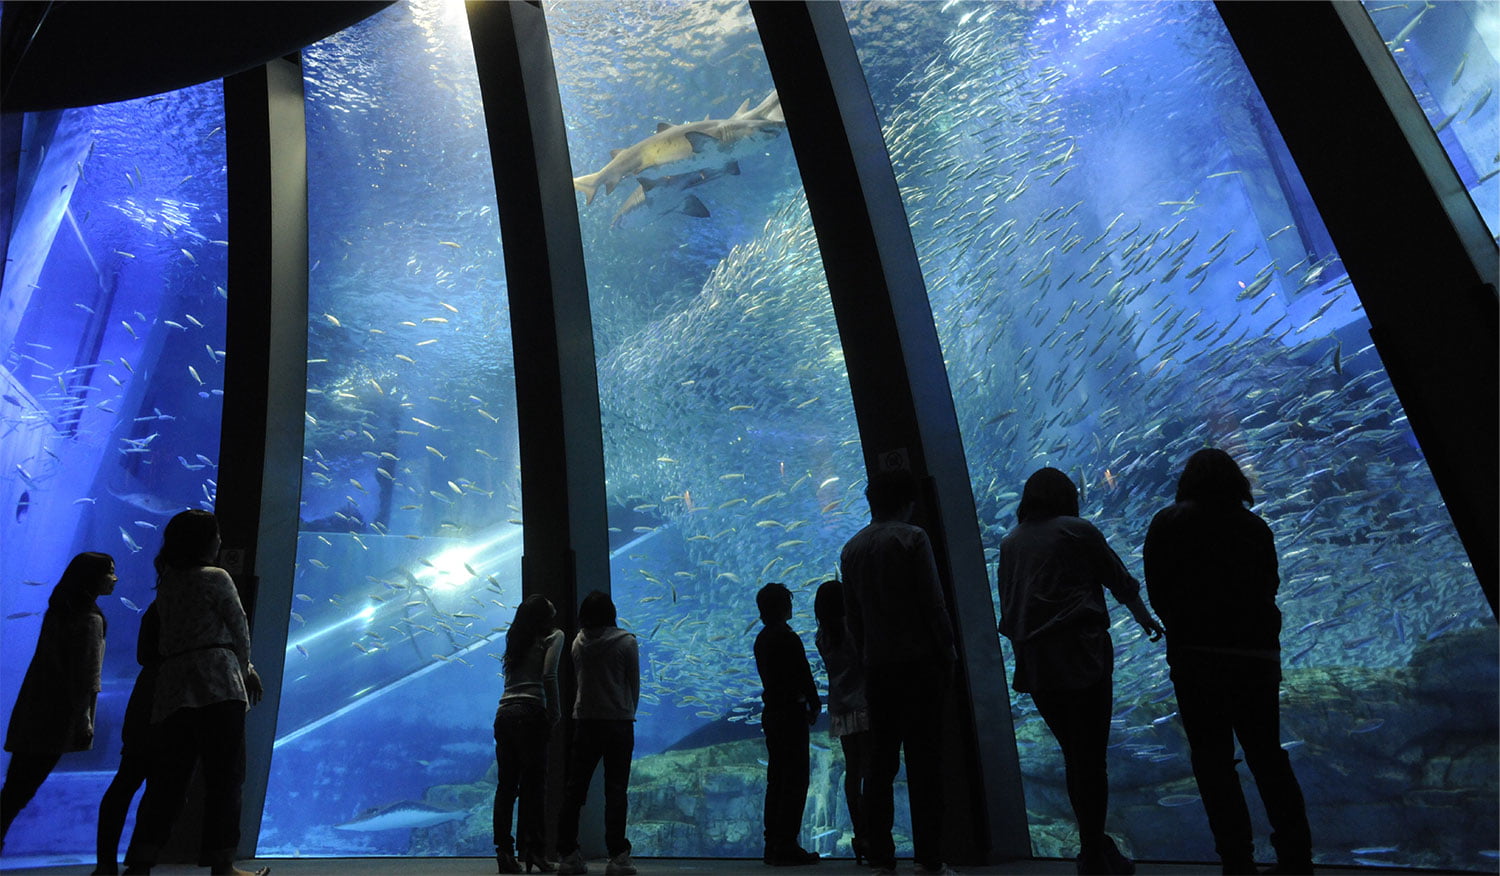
[[54, 712]]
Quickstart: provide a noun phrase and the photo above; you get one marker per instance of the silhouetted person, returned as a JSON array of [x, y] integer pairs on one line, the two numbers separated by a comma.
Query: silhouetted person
[[1212, 574], [848, 715], [898, 624], [204, 685], [54, 711], [1054, 568], [528, 710], [791, 707], [607, 668], [135, 756]]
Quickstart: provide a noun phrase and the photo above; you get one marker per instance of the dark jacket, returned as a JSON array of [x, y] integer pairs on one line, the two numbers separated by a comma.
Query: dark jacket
[[54, 711], [1211, 573], [785, 674], [608, 666]]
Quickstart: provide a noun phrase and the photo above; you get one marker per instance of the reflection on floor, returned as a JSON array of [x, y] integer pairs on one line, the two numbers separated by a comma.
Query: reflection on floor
[[676, 866]]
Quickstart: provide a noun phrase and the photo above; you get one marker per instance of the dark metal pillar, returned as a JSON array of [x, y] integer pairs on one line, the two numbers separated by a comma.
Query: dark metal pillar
[[265, 379], [901, 394], [557, 395], [1415, 247]]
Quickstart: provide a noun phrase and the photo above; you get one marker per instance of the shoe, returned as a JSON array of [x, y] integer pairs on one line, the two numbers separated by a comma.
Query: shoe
[[942, 870], [110, 869], [505, 862], [540, 862], [620, 865], [886, 871], [1237, 868], [857, 845], [572, 863], [796, 856]]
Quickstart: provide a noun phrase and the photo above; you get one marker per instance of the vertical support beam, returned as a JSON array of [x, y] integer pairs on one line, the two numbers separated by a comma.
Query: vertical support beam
[[265, 379], [1421, 259], [557, 389], [901, 394]]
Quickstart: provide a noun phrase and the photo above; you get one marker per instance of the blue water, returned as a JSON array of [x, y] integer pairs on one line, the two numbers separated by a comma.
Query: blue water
[[1122, 266]]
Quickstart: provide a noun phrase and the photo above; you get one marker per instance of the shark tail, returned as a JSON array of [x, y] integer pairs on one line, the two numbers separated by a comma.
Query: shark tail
[[589, 185]]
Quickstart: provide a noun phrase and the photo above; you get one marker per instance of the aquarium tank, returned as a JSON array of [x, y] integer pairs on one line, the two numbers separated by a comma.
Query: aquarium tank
[[112, 337], [1123, 266]]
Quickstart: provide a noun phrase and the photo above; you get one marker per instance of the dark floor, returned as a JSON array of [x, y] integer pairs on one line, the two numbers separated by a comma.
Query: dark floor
[[686, 867]]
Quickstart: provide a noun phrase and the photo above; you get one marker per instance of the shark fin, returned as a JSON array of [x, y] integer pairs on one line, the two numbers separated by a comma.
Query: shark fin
[[588, 185], [774, 114], [744, 107], [700, 141], [615, 153], [732, 168], [663, 126], [647, 183], [694, 207]]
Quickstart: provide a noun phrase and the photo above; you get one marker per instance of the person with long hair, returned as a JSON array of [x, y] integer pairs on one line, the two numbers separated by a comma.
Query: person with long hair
[[204, 685], [607, 666], [54, 711], [848, 715], [1211, 570], [1054, 568], [528, 710]]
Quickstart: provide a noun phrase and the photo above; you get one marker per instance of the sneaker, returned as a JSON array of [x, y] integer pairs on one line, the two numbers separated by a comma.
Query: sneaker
[[572, 863], [620, 865]]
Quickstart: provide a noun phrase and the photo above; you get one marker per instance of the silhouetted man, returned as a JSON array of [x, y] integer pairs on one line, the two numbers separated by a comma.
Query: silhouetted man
[[898, 624]]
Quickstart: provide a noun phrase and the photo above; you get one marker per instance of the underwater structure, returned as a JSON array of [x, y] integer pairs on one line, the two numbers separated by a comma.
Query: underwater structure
[[437, 306]]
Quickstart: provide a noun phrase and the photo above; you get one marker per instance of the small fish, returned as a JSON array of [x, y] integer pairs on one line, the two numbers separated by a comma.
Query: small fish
[[194, 372], [1172, 800], [125, 601]]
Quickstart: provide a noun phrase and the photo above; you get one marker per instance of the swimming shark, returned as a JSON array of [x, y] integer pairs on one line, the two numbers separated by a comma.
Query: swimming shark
[[668, 194], [679, 150], [404, 813]]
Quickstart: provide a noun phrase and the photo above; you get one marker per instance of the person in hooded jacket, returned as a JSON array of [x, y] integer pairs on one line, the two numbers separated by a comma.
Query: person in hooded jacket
[[606, 661]]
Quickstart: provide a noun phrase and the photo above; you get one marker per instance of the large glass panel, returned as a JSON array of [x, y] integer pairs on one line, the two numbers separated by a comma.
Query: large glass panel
[[1449, 53], [1125, 268], [112, 331], [408, 560], [731, 449]]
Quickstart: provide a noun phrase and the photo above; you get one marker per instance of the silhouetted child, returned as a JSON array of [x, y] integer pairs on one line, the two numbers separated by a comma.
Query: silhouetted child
[[791, 707], [848, 715], [54, 712]]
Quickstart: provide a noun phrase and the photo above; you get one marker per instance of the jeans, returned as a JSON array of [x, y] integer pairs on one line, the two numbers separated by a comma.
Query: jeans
[[595, 740], [1080, 721], [1213, 713], [906, 705], [788, 772], [215, 736], [521, 733]]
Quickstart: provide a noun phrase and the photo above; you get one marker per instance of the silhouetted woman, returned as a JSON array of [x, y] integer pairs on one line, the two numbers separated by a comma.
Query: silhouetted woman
[[1053, 571], [1211, 571], [135, 755], [204, 684], [528, 711], [54, 712], [848, 715]]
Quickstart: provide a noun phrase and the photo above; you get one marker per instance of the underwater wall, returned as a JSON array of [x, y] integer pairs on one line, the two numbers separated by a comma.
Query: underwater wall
[[112, 327], [1122, 264]]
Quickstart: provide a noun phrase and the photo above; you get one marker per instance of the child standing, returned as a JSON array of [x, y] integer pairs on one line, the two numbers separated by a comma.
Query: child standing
[[791, 707]]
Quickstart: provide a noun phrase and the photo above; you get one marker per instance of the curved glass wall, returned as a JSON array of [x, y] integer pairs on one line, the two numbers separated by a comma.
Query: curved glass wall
[[409, 544], [1124, 267], [112, 332], [1450, 56], [731, 452]]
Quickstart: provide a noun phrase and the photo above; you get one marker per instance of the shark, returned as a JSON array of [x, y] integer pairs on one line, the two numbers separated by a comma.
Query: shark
[[402, 814], [680, 150], [669, 193]]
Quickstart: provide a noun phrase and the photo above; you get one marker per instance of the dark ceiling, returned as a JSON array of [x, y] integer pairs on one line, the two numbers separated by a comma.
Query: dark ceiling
[[65, 54]]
